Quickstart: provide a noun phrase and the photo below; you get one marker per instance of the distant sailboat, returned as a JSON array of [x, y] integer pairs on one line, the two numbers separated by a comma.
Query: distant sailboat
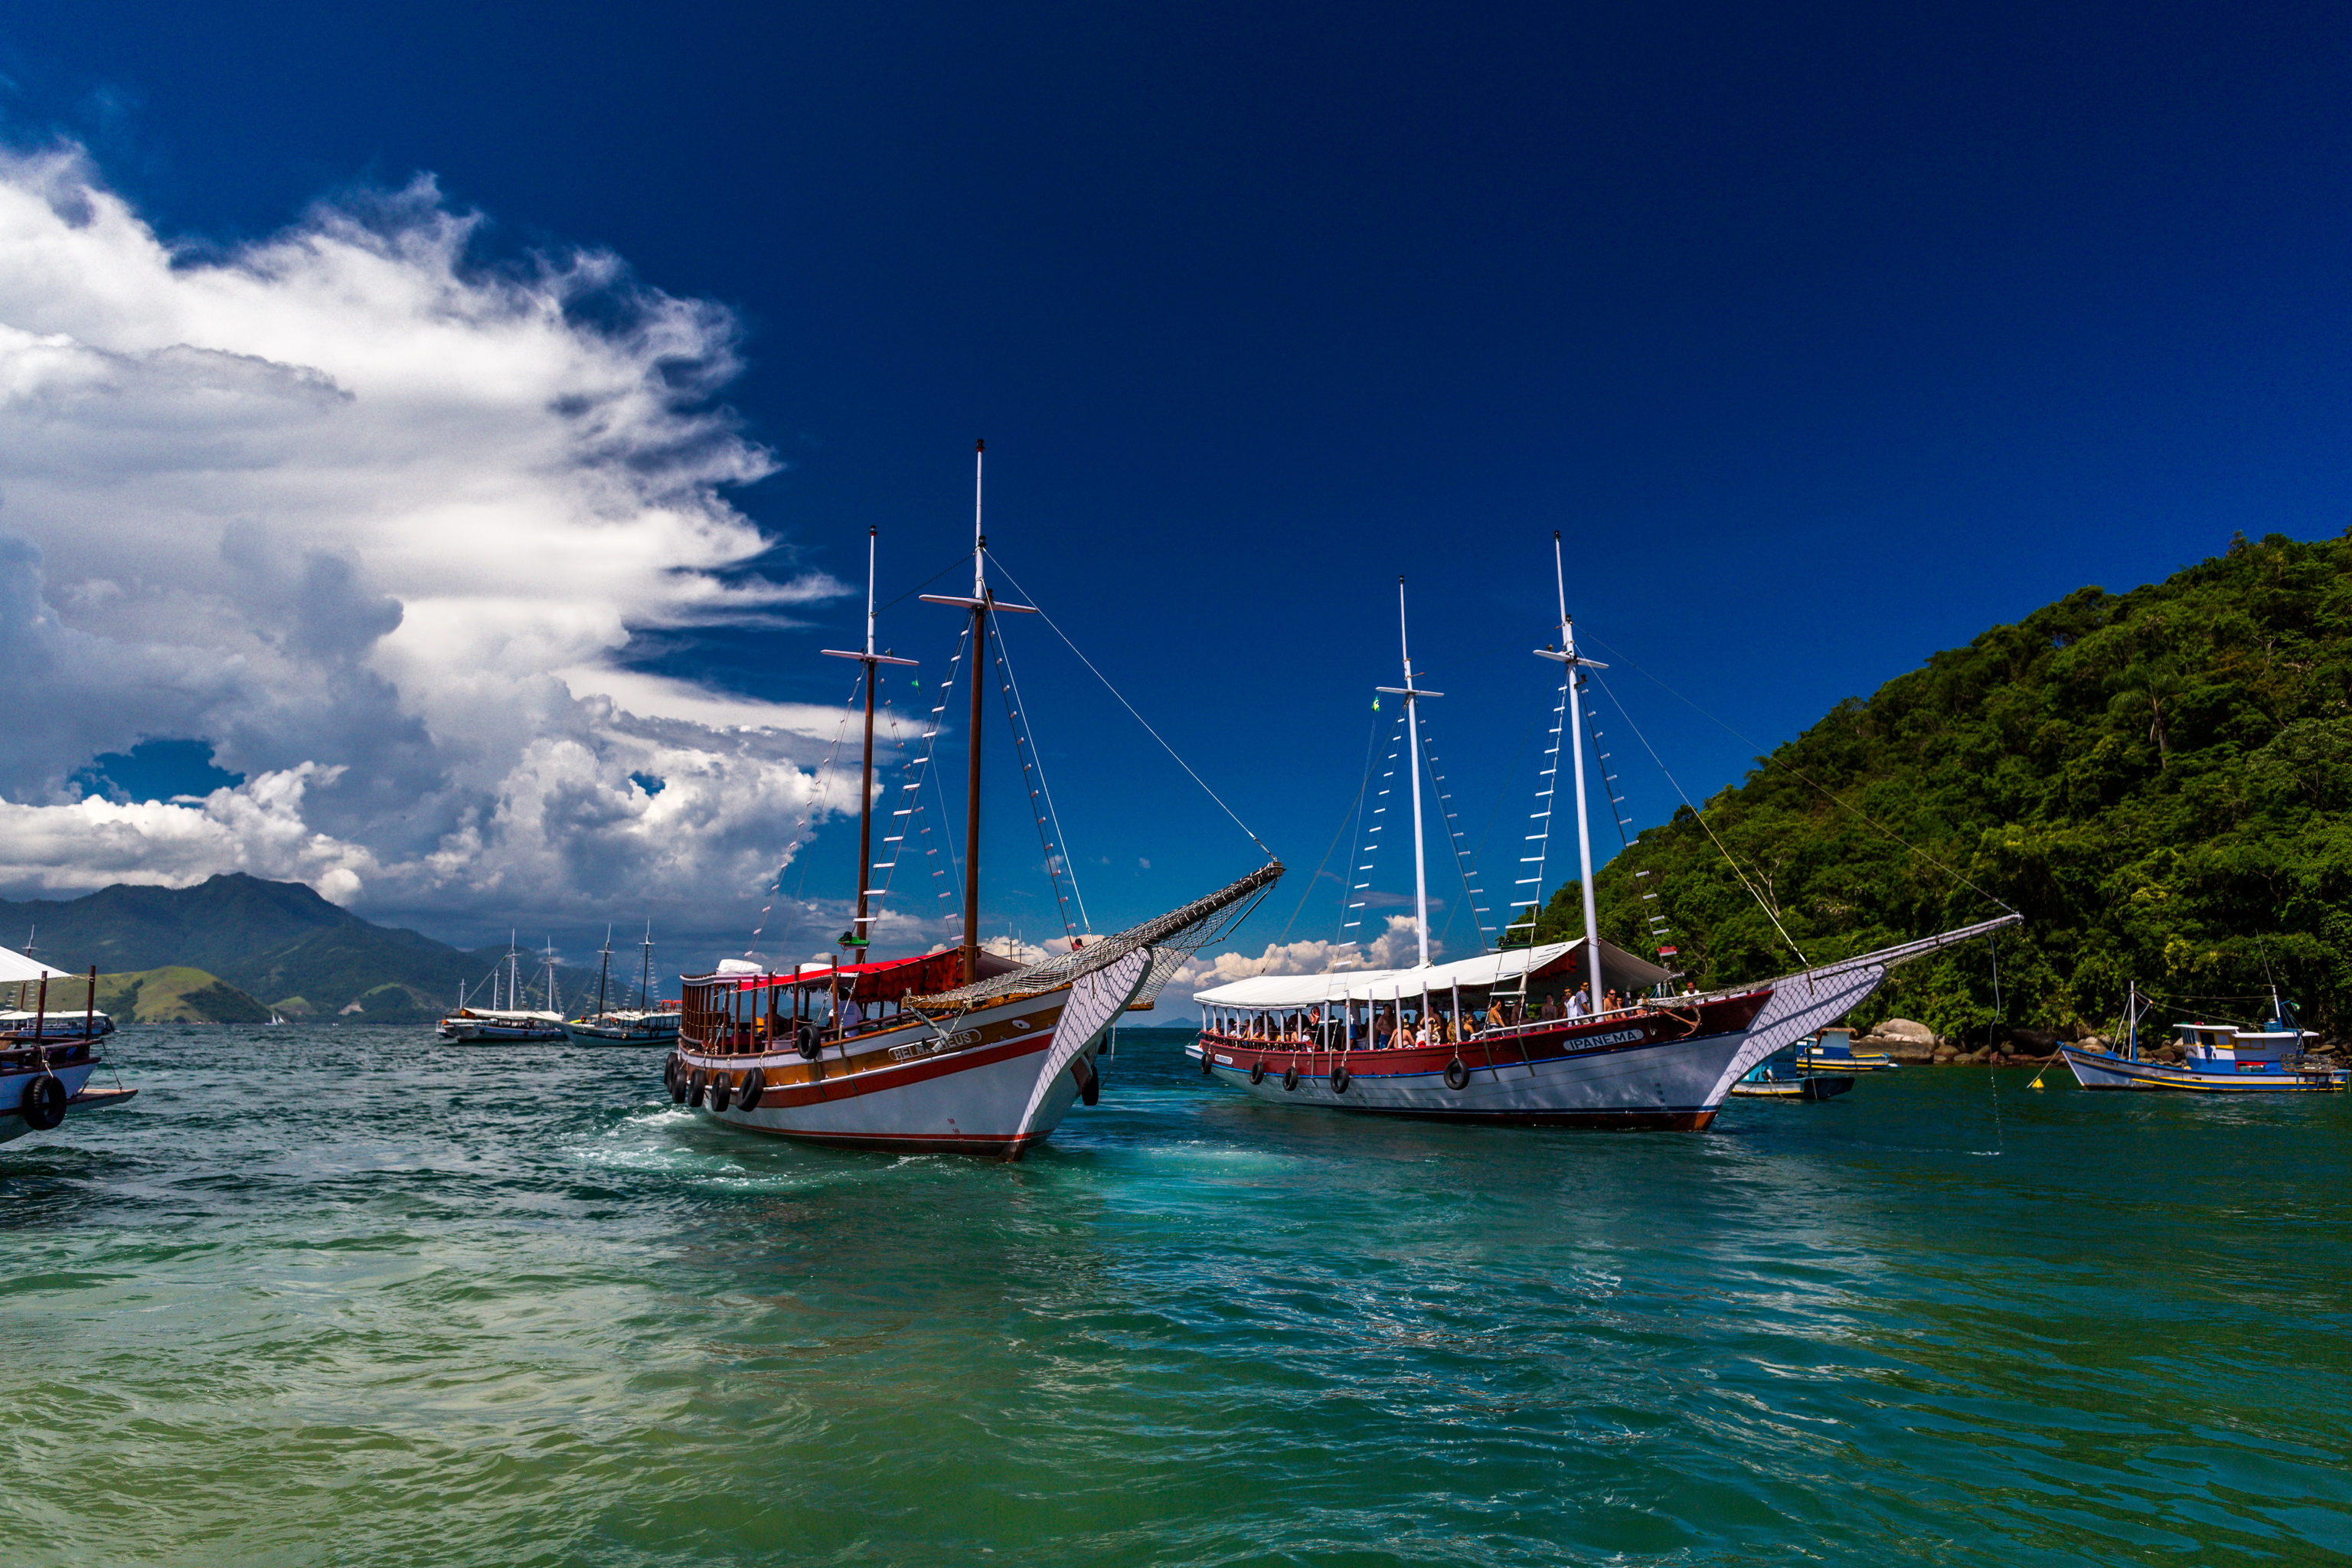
[[648, 1023], [512, 1024]]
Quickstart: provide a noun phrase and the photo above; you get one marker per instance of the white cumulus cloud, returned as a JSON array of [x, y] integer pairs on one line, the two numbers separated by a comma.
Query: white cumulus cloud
[[376, 522]]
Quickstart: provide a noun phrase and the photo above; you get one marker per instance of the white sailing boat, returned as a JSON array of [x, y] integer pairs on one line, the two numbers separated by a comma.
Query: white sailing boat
[[512, 1023], [945, 1052], [646, 1024], [48, 1058], [1465, 1041]]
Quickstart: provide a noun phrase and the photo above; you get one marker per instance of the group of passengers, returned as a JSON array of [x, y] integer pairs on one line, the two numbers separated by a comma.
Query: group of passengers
[[1391, 1028]]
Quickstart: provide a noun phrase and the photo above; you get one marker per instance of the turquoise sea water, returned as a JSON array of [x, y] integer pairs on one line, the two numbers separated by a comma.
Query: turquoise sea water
[[347, 1297]]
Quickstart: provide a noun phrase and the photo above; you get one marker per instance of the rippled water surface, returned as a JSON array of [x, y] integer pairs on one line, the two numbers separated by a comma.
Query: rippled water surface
[[347, 1297]]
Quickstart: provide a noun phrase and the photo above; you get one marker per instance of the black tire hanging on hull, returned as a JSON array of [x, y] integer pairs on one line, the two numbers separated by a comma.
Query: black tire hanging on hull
[[43, 1103], [1457, 1075], [755, 1084]]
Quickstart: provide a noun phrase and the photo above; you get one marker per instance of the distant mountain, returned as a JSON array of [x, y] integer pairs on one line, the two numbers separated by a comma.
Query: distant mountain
[[278, 941], [175, 994]]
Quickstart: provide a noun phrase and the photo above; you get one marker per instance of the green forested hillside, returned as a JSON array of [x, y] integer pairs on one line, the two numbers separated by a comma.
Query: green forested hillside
[[2158, 781]]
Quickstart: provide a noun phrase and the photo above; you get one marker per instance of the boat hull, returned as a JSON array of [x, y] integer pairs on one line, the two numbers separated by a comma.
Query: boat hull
[[80, 1095], [615, 1035], [997, 1084], [1661, 1070], [2103, 1069], [1813, 1085]]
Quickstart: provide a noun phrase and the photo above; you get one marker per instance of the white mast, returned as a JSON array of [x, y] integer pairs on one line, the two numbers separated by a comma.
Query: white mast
[[1411, 695], [1567, 655]]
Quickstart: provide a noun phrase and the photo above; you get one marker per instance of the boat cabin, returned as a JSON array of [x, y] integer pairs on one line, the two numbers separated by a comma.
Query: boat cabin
[[2227, 1048], [743, 1009], [1370, 1008]]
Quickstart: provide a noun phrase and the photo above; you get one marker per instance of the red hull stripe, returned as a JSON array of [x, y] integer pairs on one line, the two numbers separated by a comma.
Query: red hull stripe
[[876, 1080]]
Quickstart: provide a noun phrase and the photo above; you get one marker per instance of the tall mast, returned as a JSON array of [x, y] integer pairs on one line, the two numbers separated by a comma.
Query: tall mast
[[646, 984], [857, 935], [982, 605], [604, 969], [1412, 695], [971, 778], [1565, 654]]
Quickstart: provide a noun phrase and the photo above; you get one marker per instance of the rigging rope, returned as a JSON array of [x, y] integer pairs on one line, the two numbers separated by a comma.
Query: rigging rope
[[1361, 785], [1721, 848], [1773, 762], [1139, 718], [1025, 741], [800, 829]]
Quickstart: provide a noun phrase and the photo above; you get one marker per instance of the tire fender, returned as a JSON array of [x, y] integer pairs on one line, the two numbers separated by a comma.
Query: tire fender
[[1457, 1075], [755, 1084], [43, 1102]]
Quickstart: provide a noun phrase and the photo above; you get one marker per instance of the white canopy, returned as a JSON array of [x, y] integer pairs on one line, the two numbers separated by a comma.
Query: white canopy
[[1553, 959], [14, 966]]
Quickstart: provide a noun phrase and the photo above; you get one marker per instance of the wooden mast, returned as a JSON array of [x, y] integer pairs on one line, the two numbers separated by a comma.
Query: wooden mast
[[857, 936], [982, 605]]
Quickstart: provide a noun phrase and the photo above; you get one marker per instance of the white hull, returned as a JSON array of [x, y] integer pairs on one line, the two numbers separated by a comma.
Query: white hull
[[1000, 1082], [1642, 1069]]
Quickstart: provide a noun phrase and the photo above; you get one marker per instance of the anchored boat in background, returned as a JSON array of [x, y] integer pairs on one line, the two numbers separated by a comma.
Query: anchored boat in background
[[511, 1024], [48, 1058], [2218, 1058], [1498, 1039], [646, 1024], [1833, 1051], [1784, 1076]]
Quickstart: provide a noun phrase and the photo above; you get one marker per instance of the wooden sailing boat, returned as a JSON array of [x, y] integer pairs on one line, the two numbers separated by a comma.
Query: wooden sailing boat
[[48, 1058], [1465, 1041], [513, 1024], [644, 1025], [950, 1052]]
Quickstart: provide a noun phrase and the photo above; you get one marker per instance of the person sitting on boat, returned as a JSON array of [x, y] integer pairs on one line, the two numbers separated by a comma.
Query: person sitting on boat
[[1579, 1005], [1383, 1031], [852, 1014]]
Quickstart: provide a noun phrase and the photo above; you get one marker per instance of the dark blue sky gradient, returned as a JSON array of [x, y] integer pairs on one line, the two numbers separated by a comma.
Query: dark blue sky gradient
[[1829, 334]]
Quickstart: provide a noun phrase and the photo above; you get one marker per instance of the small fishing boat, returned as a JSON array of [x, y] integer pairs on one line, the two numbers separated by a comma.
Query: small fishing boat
[[2219, 1059], [47, 1059], [648, 1023], [1832, 1051], [1783, 1076]]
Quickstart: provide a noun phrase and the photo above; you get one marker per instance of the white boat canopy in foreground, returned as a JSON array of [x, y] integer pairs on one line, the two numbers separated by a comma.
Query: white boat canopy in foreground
[[1619, 968], [14, 967]]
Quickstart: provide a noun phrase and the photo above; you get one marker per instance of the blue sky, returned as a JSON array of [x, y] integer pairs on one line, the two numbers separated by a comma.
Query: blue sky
[[1829, 337]]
